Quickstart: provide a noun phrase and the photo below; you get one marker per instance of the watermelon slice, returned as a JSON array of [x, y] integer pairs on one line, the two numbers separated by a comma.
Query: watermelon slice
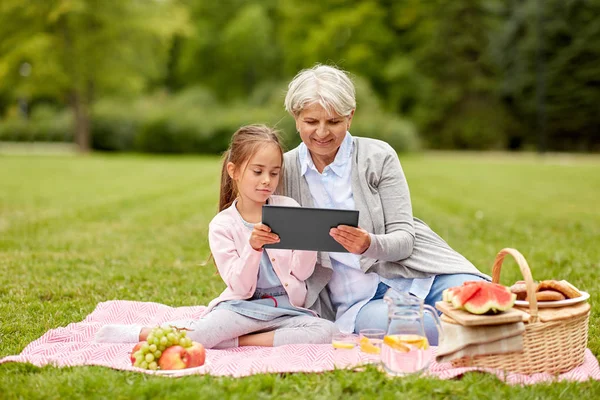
[[480, 297], [490, 298]]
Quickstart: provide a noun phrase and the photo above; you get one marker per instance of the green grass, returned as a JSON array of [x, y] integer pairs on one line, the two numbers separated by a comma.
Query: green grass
[[76, 231]]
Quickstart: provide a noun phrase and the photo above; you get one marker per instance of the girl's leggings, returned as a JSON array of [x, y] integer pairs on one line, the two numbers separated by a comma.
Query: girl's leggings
[[221, 328]]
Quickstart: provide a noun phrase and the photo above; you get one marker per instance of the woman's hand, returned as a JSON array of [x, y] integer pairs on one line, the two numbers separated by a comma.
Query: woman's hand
[[355, 240], [261, 235]]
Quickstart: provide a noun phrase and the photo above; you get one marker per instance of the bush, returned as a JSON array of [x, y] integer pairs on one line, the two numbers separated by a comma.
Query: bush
[[192, 121], [114, 126], [398, 133], [370, 120], [204, 130], [44, 126], [167, 134]]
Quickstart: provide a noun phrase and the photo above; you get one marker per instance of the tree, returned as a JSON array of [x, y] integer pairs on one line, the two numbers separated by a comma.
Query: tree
[[570, 50], [232, 49], [79, 49], [351, 34], [446, 59]]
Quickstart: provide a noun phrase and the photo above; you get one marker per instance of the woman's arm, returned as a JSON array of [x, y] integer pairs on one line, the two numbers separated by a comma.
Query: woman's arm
[[238, 269], [398, 240]]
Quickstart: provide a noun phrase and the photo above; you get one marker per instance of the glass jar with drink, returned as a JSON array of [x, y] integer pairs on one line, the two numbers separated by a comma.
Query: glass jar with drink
[[405, 348]]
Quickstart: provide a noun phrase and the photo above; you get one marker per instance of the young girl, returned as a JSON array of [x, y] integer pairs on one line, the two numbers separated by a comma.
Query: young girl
[[263, 304]]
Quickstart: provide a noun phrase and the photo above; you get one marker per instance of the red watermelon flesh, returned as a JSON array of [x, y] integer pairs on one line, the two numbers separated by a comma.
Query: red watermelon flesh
[[462, 294], [448, 294], [491, 298]]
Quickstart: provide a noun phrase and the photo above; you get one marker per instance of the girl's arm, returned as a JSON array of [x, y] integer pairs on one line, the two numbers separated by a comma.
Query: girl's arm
[[398, 240], [238, 268]]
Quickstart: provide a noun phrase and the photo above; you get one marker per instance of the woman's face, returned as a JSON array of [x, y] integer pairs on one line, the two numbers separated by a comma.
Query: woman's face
[[322, 132]]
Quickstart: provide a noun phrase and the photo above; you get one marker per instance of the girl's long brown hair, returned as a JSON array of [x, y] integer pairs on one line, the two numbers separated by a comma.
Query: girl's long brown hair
[[244, 144]]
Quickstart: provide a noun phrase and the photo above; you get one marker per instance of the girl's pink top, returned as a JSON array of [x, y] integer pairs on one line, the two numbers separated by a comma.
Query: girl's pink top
[[238, 263]]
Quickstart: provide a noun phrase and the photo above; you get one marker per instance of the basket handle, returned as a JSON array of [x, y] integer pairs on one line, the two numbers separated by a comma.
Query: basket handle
[[525, 271]]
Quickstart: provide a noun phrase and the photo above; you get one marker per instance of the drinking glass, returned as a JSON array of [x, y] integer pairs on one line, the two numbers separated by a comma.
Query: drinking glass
[[369, 342], [345, 350]]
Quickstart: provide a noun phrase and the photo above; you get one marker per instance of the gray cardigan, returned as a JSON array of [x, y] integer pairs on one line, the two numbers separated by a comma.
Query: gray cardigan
[[401, 245]]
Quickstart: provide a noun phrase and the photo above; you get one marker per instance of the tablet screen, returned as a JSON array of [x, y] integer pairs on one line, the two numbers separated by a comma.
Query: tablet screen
[[305, 228]]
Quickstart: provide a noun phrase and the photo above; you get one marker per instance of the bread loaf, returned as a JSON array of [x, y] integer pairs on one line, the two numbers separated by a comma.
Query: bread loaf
[[569, 291]]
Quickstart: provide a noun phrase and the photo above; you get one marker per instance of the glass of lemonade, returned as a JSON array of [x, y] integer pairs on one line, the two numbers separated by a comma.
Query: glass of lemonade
[[369, 343], [345, 350]]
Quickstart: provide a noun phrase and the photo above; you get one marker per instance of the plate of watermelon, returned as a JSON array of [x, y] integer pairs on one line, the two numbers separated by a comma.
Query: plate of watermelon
[[554, 304]]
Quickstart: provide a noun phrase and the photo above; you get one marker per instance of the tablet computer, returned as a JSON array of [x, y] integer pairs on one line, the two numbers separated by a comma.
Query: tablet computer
[[305, 228]]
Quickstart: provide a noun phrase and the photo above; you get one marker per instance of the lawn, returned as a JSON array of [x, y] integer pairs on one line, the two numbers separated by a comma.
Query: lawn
[[76, 231]]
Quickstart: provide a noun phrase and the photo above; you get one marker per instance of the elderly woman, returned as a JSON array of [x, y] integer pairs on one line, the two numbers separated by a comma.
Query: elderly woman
[[390, 248]]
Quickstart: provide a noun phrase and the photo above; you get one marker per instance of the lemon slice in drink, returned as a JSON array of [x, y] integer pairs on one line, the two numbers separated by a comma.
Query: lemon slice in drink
[[420, 342], [367, 347], [342, 345], [395, 343]]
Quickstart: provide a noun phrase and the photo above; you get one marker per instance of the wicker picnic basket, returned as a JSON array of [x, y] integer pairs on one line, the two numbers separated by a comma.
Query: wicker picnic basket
[[554, 346]]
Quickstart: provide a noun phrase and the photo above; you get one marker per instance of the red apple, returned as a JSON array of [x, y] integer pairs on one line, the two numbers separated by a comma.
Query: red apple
[[197, 354], [174, 357], [135, 348]]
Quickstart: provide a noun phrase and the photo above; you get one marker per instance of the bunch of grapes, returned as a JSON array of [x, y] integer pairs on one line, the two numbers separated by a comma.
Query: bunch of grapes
[[159, 338]]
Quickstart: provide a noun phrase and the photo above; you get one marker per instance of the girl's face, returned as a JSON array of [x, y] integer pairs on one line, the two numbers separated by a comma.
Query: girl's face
[[322, 132], [258, 178]]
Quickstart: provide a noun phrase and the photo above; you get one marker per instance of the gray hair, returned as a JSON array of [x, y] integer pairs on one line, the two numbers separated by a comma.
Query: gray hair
[[328, 86]]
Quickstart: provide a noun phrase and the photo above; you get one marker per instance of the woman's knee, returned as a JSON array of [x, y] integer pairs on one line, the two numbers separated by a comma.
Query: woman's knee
[[373, 315]]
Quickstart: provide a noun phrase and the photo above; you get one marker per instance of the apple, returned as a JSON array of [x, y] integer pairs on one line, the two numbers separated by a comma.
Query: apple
[[174, 357], [179, 357], [135, 348], [197, 354]]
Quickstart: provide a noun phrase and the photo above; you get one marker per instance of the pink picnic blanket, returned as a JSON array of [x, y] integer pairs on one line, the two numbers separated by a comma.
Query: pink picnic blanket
[[74, 345]]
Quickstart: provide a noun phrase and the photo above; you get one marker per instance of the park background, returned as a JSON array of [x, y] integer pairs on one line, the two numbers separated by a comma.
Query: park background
[[87, 86], [179, 76]]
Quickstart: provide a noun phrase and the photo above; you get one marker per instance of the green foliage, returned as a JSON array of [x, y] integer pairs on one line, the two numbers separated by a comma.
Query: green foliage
[[352, 34], [472, 74], [77, 231], [460, 107], [45, 125], [232, 49], [568, 36], [81, 49], [193, 121], [114, 125], [72, 44]]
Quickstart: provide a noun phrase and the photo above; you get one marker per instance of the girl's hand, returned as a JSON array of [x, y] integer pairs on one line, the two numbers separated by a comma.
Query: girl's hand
[[261, 235], [355, 240]]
